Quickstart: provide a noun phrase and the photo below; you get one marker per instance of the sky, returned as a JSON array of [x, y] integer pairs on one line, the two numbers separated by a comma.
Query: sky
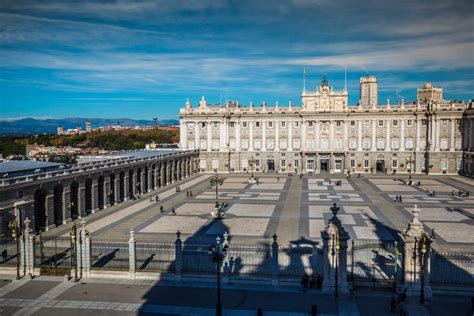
[[141, 59]]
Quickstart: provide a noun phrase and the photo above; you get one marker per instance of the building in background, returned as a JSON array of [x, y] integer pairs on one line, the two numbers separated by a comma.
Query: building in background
[[88, 126], [325, 134], [429, 93], [60, 130], [467, 127], [368, 92]]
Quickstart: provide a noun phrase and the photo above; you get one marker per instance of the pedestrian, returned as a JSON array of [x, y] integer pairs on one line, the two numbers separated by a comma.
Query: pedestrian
[[304, 282], [393, 305], [313, 281], [187, 193], [400, 199], [190, 193], [278, 179], [173, 211], [5, 255], [161, 209]]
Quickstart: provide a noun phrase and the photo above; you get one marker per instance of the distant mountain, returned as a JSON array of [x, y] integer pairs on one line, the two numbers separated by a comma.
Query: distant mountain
[[33, 126]]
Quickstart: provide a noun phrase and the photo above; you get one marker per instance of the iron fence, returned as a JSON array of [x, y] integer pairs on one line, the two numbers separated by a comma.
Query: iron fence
[[294, 262], [452, 268], [53, 255], [109, 255], [159, 257], [8, 251], [196, 259], [250, 259]]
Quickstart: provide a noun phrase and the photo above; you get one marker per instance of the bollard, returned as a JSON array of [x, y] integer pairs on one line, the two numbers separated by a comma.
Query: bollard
[[259, 311], [314, 310]]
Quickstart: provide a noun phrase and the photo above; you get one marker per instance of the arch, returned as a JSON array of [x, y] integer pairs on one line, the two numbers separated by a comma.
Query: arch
[[40, 209], [74, 200], [146, 185], [58, 192], [101, 191], [88, 196]]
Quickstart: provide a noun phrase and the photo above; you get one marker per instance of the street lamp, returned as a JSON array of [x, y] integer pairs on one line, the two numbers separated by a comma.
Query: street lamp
[[334, 253], [73, 238], [217, 253], [215, 180], [422, 270], [15, 232]]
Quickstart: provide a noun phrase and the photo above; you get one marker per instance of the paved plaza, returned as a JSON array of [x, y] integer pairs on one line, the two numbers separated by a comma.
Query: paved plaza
[[294, 208]]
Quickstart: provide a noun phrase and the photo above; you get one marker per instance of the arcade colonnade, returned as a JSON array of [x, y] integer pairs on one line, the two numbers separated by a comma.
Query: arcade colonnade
[[59, 201]]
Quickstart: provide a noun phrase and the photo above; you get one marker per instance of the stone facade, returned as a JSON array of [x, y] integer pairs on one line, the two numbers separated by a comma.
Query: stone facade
[[325, 134]]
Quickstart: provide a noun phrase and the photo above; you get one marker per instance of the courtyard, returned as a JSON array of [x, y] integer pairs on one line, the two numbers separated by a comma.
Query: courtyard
[[294, 208]]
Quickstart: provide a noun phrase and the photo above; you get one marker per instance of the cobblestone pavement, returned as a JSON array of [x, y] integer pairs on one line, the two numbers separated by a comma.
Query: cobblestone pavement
[[294, 208], [51, 296]]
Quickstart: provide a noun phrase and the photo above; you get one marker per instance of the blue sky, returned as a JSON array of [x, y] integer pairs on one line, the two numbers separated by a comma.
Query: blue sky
[[144, 58]]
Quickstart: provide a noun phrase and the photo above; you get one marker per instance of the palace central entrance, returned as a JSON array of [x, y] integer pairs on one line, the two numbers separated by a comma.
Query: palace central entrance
[[271, 165], [380, 166], [324, 164]]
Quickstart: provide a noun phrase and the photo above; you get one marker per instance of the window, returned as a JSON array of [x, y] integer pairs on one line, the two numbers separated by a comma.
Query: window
[[244, 124], [270, 143], [444, 165], [257, 163], [395, 143], [353, 123], [458, 121], [409, 143], [338, 143], [296, 163], [232, 124], [190, 125], [283, 143], [202, 164], [257, 143], [423, 122], [444, 122], [244, 143], [297, 124], [353, 163], [232, 143], [270, 124], [257, 124], [395, 123], [310, 123], [380, 123], [296, 143], [244, 163], [324, 143], [366, 163], [380, 143], [203, 144], [423, 164], [353, 143], [283, 163], [338, 123], [203, 124], [366, 123], [366, 143], [409, 123], [423, 144], [394, 163], [457, 144], [215, 164], [190, 144], [215, 124], [215, 144], [283, 124], [443, 143], [310, 143]]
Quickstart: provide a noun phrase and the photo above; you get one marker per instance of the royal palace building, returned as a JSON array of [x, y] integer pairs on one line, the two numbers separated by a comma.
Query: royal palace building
[[326, 134]]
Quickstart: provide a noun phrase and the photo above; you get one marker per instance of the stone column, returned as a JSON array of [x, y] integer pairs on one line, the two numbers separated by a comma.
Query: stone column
[[277, 136], [290, 136], [359, 135], [402, 135], [250, 125], [374, 135], [29, 249], [275, 266], [209, 136], [143, 187], [318, 138], [264, 136], [173, 170], [331, 138], [86, 250], [162, 176], [64, 209], [126, 181], [179, 255], [437, 134], [388, 143], [155, 178], [452, 132], [94, 196], [106, 191], [134, 183], [117, 189], [81, 210], [150, 179], [346, 137], [303, 136], [183, 136], [197, 139], [417, 135], [237, 136], [132, 249]]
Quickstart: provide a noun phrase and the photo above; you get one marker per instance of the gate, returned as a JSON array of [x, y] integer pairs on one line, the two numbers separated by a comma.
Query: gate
[[374, 265], [9, 251], [53, 255]]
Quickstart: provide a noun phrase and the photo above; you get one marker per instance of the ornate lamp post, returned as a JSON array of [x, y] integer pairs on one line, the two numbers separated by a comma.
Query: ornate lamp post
[[217, 253], [215, 180], [15, 232], [73, 238], [429, 115], [422, 270]]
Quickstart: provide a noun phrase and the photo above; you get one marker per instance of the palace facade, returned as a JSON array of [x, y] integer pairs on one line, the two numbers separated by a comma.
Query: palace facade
[[326, 134]]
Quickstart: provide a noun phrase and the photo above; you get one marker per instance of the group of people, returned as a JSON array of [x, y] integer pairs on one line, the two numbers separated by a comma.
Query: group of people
[[178, 188], [189, 193], [431, 192], [460, 193], [399, 198], [315, 281]]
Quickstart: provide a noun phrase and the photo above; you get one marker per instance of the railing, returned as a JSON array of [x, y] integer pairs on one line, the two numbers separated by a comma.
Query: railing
[[109, 255], [250, 260], [53, 255], [452, 269], [90, 166], [155, 257], [8, 252], [293, 262]]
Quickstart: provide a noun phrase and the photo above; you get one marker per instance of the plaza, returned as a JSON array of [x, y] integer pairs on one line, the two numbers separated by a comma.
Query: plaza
[[293, 208]]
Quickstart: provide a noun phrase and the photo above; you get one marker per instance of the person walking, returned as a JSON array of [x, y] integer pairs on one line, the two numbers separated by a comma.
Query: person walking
[[161, 209], [173, 211], [304, 282]]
